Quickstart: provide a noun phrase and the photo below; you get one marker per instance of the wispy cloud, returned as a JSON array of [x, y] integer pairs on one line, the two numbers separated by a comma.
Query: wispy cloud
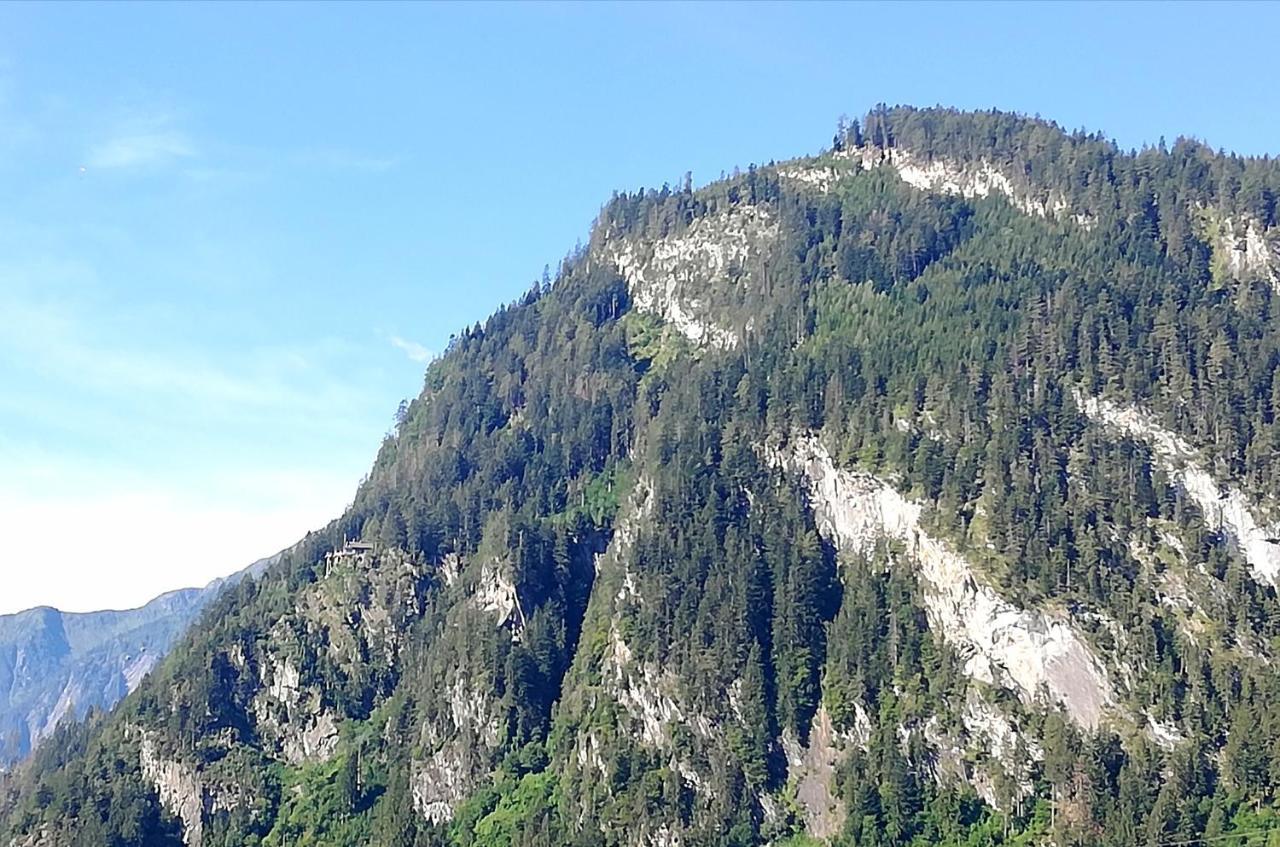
[[412, 349], [141, 149], [346, 160], [116, 359], [140, 135], [99, 432]]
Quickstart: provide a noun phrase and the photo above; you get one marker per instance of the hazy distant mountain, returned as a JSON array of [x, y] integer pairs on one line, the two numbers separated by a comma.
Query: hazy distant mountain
[[54, 664]]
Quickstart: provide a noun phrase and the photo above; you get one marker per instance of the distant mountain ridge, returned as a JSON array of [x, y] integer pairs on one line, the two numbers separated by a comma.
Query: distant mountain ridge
[[54, 663]]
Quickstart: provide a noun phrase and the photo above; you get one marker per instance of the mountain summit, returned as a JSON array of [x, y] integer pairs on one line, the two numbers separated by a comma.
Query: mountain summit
[[918, 492]]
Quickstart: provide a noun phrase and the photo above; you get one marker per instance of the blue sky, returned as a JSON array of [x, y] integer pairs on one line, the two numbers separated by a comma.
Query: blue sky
[[231, 235]]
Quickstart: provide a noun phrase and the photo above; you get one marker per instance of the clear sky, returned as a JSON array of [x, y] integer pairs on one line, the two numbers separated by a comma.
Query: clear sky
[[231, 235]]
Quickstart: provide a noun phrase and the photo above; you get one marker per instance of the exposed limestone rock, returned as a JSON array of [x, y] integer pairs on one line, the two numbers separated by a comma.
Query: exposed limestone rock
[[815, 175], [647, 694], [1225, 509], [813, 769], [1008, 751], [629, 592], [496, 594], [674, 277], [315, 741], [370, 606], [282, 682], [639, 700], [1164, 734], [182, 791], [460, 741], [926, 424], [691, 776], [639, 507], [138, 668], [179, 789], [451, 568], [664, 836], [440, 783], [71, 694], [771, 808], [941, 176], [1172, 584], [961, 759], [473, 712], [984, 722], [358, 613], [735, 699], [650, 698], [977, 179], [41, 837], [1243, 248], [1037, 654], [293, 715], [589, 755]]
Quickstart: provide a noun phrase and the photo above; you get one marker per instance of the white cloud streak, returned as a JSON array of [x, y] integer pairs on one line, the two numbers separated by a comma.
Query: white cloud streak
[[187, 475], [345, 160], [266, 381], [415, 351], [139, 150]]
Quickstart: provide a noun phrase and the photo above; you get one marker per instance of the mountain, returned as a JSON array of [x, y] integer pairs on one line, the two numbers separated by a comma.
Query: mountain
[[57, 664], [922, 491]]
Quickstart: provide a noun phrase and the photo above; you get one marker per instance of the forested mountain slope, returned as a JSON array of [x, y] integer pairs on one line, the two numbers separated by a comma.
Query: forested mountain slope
[[56, 665], [922, 491]]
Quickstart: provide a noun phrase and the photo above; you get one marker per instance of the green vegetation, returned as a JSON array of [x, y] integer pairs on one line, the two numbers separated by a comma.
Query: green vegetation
[[320, 805]]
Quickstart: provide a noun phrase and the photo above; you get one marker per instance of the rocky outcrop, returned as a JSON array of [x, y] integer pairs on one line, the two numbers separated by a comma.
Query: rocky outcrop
[[813, 174], [648, 695], [617, 693], [358, 614], [679, 277], [496, 594], [1184, 590], [294, 715], [588, 753], [182, 790], [812, 769], [1226, 509], [1243, 248], [440, 783], [1036, 654], [981, 178], [460, 741], [1007, 752], [178, 787], [970, 180]]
